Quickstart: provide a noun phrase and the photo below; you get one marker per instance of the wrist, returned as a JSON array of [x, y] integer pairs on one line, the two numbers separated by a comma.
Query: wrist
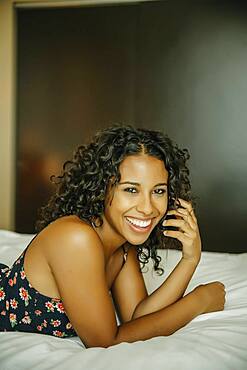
[[200, 297], [193, 260]]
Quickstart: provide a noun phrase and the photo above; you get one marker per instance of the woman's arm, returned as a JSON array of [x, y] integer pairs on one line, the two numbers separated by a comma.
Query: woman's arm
[[128, 286], [170, 291], [175, 285], [163, 322], [204, 298]]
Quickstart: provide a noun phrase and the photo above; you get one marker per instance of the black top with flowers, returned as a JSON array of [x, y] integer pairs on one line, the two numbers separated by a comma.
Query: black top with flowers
[[23, 308]]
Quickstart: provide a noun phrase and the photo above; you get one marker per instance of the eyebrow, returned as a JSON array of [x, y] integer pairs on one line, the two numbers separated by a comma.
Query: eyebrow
[[137, 183]]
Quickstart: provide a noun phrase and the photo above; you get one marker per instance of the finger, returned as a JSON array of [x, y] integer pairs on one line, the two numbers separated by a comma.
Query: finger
[[187, 205], [181, 224], [220, 284], [177, 235], [185, 215], [190, 217]]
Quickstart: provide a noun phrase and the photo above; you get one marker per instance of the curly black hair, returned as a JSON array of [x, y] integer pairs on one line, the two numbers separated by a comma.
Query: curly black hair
[[81, 189]]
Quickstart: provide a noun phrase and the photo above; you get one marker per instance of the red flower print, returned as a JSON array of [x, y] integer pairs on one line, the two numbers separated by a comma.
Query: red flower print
[[26, 320], [3, 313], [38, 312], [60, 307], [55, 323], [13, 303], [11, 282], [7, 305], [58, 333], [49, 306], [42, 325], [12, 319], [2, 294], [24, 295], [23, 275]]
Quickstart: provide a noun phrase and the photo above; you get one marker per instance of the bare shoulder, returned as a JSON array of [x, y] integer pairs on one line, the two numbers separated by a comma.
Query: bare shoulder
[[76, 259], [69, 236]]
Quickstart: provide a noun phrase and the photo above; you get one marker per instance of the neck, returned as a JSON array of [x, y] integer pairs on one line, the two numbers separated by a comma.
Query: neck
[[109, 237]]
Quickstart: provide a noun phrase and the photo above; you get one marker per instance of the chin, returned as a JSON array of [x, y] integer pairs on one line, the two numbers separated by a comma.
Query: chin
[[138, 240], [136, 236]]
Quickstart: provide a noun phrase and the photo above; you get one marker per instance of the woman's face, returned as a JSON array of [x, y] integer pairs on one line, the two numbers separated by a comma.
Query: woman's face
[[139, 200]]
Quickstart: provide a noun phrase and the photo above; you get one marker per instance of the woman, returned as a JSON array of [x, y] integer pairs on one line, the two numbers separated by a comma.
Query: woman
[[122, 196]]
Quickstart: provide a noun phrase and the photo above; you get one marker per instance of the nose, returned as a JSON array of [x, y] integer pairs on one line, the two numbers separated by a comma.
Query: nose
[[145, 205]]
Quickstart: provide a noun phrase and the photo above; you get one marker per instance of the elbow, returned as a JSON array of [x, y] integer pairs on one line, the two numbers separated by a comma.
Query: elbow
[[102, 341], [100, 344]]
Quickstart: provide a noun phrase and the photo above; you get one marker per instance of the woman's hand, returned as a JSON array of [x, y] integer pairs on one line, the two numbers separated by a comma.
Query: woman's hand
[[212, 296], [188, 232]]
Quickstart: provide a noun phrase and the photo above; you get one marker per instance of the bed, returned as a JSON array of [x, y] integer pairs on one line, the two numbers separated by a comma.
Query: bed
[[213, 341]]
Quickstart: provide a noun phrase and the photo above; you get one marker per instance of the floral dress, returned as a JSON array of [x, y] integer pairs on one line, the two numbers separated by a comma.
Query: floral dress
[[23, 308]]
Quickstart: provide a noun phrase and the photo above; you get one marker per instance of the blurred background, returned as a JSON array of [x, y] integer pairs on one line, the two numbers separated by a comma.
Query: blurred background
[[179, 67]]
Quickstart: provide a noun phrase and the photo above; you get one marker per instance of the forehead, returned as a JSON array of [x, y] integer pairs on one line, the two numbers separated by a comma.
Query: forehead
[[142, 167]]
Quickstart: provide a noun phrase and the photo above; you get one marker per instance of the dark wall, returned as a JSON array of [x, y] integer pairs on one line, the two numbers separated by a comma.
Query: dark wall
[[179, 67], [76, 70], [192, 79]]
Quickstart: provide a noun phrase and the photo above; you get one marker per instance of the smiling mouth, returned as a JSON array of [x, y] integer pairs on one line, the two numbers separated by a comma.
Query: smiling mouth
[[139, 225]]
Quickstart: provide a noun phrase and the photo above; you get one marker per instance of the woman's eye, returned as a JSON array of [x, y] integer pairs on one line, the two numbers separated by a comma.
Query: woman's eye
[[156, 191], [131, 190], [160, 191]]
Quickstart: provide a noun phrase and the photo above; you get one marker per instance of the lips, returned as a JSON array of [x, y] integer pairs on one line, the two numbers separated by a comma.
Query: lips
[[138, 222], [139, 225]]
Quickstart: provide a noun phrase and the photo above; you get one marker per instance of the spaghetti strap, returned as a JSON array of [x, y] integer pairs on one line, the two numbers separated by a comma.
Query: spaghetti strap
[[125, 255]]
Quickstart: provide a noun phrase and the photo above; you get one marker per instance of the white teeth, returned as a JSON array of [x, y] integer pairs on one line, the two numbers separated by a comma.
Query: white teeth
[[139, 222]]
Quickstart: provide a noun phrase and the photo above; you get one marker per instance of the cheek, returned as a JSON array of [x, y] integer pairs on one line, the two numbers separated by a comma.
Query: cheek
[[119, 204], [123, 201], [161, 205]]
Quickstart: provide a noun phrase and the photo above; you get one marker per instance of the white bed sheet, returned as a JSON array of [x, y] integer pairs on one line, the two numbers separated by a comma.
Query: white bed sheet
[[214, 341]]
